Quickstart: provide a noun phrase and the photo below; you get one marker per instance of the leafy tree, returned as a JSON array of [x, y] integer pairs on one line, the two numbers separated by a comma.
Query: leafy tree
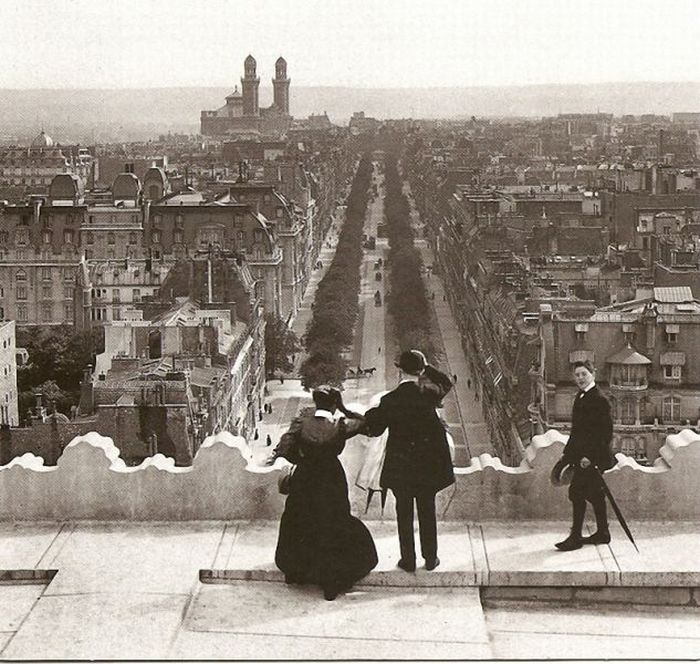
[[324, 365], [57, 356], [407, 301], [280, 344]]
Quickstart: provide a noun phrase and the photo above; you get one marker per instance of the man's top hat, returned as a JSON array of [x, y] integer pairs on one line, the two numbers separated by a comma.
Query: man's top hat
[[412, 362]]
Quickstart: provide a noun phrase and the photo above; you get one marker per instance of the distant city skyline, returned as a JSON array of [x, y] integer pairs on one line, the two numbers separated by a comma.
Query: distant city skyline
[[355, 43]]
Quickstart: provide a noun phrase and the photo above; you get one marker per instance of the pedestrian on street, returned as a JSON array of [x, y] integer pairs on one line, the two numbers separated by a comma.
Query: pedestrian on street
[[469, 383], [379, 350], [417, 463], [256, 435], [281, 380], [588, 453], [269, 408], [268, 440]]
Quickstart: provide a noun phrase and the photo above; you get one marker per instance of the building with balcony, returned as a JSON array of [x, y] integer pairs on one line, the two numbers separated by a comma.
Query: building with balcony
[[646, 361]]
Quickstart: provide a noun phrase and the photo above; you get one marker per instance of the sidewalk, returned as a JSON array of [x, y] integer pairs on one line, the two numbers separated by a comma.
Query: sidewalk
[[133, 591]]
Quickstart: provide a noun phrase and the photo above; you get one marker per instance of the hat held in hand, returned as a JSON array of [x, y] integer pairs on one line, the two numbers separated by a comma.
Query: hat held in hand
[[561, 473], [411, 362]]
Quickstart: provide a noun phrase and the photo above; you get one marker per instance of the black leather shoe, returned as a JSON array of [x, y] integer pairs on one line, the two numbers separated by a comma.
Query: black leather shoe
[[571, 543], [597, 537], [330, 593], [407, 565], [431, 564]]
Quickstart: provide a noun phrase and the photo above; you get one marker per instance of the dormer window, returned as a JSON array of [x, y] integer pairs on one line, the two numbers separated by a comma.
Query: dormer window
[[672, 334], [580, 330]]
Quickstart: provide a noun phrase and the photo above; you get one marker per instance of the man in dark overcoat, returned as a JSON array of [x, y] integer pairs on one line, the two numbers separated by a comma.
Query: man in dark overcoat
[[588, 453], [417, 463]]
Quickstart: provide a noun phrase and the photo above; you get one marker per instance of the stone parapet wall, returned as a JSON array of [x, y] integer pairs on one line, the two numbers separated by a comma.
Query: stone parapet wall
[[224, 482]]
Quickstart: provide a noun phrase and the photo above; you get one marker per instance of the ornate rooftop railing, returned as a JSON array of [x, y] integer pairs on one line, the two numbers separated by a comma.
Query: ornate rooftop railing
[[228, 481]]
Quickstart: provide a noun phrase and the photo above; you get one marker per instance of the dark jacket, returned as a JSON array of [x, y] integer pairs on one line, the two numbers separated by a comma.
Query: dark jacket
[[310, 436], [591, 430], [417, 452]]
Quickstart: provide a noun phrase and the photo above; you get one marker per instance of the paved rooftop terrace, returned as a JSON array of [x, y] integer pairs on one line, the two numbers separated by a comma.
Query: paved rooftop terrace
[[193, 590]]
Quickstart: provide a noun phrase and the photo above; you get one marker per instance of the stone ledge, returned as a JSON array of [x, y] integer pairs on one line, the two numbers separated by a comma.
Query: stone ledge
[[545, 585], [26, 576], [653, 596]]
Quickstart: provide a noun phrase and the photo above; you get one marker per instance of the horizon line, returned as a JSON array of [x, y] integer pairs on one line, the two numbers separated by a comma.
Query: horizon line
[[360, 87]]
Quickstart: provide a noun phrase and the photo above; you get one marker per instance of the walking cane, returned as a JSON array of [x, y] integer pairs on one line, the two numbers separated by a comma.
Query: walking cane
[[616, 509]]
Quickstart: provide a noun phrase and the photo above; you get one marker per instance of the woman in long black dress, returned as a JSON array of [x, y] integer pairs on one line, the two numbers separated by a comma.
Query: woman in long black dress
[[319, 539]]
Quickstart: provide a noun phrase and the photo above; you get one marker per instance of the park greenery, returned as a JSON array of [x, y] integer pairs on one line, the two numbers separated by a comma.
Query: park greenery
[[336, 305], [58, 356], [407, 301]]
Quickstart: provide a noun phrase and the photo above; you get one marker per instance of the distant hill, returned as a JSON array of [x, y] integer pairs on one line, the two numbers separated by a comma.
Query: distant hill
[[99, 115]]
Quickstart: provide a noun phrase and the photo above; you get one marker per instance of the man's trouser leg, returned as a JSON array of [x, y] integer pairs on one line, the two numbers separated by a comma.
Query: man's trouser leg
[[578, 493], [597, 499], [427, 523], [404, 521]]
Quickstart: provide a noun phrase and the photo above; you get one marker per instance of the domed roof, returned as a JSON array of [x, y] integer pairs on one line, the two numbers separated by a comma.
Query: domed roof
[[43, 140], [250, 60], [280, 61]]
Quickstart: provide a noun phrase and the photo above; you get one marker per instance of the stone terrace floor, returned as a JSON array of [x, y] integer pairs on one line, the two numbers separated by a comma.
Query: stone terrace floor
[[210, 590]]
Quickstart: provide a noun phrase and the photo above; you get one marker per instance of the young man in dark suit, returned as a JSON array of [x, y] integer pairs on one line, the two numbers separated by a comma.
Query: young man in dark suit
[[588, 453], [417, 463]]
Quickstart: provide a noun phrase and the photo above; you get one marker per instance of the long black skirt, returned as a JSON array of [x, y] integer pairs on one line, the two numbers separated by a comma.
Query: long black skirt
[[319, 539]]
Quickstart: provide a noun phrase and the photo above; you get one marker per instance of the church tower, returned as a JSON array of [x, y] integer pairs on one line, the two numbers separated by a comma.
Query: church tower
[[280, 85], [250, 83]]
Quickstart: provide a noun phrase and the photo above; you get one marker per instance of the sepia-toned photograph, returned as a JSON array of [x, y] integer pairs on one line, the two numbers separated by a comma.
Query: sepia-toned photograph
[[349, 330]]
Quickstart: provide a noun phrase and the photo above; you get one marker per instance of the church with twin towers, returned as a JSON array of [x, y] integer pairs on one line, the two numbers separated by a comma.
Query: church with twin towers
[[241, 115]]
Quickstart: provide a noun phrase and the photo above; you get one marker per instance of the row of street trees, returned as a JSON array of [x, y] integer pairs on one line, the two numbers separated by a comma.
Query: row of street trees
[[408, 299], [336, 305]]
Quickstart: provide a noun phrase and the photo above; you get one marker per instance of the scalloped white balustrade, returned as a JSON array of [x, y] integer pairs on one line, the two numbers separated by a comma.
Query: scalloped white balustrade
[[228, 481]]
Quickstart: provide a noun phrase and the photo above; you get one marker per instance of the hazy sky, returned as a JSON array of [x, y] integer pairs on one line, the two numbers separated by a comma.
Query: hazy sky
[[368, 43]]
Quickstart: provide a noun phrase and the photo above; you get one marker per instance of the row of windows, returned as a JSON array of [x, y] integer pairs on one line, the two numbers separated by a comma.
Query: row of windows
[[99, 293], [671, 338], [670, 410], [22, 314], [134, 218], [111, 238], [46, 293], [47, 274]]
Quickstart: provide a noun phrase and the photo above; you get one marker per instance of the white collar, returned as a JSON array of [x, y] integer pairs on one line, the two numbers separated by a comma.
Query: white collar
[[326, 414], [410, 379], [589, 387]]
